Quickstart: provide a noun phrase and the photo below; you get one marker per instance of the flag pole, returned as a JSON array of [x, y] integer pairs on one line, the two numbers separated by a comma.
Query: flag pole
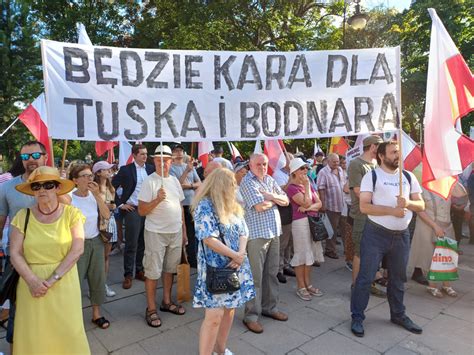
[[162, 165], [10, 126], [52, 152], [64, 154], [399, 109]]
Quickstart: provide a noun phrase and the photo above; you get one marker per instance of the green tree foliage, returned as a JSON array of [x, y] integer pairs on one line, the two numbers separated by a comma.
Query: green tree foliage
[[21, 76]]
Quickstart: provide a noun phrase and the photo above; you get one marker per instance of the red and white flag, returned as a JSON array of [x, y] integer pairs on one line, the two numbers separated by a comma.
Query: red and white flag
[[275, 151], [317, 148], [258, 147], [104, 146], [449, 96], [234, 151], [125, 153], [411, 153], [35, 118], [204, 148]]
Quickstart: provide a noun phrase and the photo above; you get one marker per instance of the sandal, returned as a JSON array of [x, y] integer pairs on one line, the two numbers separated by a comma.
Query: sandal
[[449, 291], [151, 318], [173, 308], [434, 292], [314, 291], [303, 294], [101, 322], [382, 281]]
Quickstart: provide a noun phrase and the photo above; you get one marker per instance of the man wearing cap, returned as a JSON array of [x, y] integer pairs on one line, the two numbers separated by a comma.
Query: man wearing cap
[[190, 181], [330, 184], [262, 195], [218, 152], [130, 177], [33, 155], [160, 201], [358, 167]]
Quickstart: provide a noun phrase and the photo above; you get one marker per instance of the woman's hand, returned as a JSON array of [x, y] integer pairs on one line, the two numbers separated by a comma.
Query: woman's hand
[[94, 188], [38, 287], [302, 209], [439, 232], [237, 260]]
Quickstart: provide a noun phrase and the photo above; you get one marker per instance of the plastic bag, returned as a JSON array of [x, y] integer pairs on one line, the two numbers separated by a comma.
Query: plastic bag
[[444, 263], [183, 283]]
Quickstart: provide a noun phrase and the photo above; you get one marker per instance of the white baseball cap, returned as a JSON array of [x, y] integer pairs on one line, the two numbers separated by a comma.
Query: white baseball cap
[[295, 164]]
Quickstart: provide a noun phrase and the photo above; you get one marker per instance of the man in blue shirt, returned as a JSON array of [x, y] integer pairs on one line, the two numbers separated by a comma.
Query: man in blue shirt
[[261, 195]]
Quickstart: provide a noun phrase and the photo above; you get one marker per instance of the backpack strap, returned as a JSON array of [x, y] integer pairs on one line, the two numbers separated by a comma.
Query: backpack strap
[[408, 177]]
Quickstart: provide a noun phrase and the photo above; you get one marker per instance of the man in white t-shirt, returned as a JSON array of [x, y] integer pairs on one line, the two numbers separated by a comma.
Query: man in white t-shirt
[[218, 157], [160, 201], [385, 235]]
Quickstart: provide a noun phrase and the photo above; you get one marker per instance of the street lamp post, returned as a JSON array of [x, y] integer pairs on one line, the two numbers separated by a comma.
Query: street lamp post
[[358, 21]]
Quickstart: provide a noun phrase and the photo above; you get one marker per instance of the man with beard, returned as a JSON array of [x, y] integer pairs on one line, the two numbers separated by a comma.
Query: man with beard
[[385, 235], [33, 155]]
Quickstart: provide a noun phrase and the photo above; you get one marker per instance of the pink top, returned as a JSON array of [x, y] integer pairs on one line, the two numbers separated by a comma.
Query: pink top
[[294, 189]]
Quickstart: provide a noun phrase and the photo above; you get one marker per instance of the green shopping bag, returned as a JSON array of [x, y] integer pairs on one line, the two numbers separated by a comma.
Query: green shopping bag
[[444, 264]]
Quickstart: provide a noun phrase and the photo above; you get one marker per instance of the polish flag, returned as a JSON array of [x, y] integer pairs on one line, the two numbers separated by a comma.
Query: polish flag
[[204, 148], [234, 151], [104, 146], [449, 96], [411, 153], [35, 118], [258, 147], [125, 153], [339, 146], [275, 151]]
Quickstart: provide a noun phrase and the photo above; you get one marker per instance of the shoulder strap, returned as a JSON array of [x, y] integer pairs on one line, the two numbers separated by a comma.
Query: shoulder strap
[[374, 179], [408, 177], [27, 219]]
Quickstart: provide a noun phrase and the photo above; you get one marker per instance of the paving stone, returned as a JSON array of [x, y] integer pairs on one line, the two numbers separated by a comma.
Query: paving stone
[[311, 322], [125, 307], [181, 340], [134, 349], [333, 343], [95, 345], [399, 350], [277, 338], [425, 306], [238, 346], [125, 332], [296, 352], [380, 333], [461, 309]]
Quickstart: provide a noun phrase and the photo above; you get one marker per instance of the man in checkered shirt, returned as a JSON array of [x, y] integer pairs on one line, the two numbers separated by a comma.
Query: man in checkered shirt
[[261, 195]]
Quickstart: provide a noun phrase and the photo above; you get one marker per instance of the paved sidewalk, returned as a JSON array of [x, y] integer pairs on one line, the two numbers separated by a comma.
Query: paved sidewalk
[[320, 326]]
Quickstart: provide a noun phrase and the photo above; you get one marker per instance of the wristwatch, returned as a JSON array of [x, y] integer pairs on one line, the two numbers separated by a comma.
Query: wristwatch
[[56, 276]]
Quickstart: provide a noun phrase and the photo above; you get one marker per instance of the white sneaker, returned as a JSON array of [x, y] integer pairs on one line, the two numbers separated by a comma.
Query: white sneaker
[[109, 292]]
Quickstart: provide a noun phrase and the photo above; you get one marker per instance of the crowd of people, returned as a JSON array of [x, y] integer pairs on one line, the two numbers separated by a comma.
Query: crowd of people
[[59, 232]]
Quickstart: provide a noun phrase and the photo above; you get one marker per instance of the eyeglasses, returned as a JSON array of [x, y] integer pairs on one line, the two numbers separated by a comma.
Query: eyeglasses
[[35, 156], [86, 176], [48, 185]]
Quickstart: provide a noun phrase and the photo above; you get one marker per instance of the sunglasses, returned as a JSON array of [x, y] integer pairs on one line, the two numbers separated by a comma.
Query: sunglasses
[[304, 168], [48, 185], [35, 156]]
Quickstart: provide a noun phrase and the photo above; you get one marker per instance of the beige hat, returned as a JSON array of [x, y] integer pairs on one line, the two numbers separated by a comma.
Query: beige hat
[[163, 150], [372, 140], [296, 163], [45, 173]]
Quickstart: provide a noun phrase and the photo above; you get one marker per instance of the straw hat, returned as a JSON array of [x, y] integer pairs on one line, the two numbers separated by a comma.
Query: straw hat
[[45, 173]]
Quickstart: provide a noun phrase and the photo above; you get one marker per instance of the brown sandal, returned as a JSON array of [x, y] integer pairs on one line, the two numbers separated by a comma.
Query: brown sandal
[[151, 318], [173, 308]]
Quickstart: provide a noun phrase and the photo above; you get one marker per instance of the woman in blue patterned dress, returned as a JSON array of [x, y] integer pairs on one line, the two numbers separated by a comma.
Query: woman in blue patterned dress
[[216, 211]]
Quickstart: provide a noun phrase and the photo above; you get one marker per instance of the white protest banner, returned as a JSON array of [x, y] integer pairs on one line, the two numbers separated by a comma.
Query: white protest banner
[[107, 93]]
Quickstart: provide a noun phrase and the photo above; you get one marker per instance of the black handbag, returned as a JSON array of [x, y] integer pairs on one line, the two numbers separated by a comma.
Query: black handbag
[[221, 279], [10, 276], [317, 228]]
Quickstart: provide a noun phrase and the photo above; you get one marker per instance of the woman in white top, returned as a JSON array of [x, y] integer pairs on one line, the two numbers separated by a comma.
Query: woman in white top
[[91, 265]]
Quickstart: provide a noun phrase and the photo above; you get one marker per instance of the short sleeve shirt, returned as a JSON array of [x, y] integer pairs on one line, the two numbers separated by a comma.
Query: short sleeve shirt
[[385, 194], [294, 189], [357, 169], [11, 201], [167, 216], [265, 224], [192, 177], [333, 185]]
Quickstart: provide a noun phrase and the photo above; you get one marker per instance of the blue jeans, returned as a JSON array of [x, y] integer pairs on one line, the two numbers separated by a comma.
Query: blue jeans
[[378, 242]]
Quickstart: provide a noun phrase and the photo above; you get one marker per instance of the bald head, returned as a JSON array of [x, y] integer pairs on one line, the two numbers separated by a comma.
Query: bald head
[[211, 166]]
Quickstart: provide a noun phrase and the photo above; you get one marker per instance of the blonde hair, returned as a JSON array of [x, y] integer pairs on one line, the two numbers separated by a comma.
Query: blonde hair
[[220, 187]]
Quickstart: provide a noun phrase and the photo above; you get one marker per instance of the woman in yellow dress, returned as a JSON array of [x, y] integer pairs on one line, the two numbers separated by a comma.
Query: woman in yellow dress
[[48, 316]]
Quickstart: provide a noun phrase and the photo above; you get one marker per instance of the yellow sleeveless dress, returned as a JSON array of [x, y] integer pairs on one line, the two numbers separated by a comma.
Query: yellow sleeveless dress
[[51, 324]]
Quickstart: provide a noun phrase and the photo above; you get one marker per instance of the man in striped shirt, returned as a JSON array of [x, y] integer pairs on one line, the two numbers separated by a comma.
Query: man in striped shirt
[[330, 184]]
